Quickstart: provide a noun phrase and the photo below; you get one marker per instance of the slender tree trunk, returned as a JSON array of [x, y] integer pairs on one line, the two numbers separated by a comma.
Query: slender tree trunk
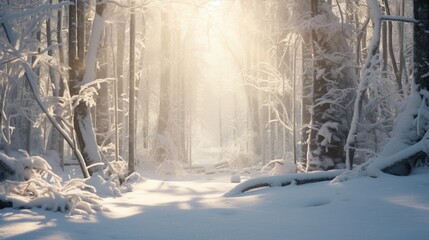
[[164, 103], [30, 132], [144, 84], [384, 43], [256, 142], [132, 121], [306, 96], [61, 87], [363, 83], [120, 52], [3, 117], [391, 50], [401, 36], [183, 158], [56, 142], [421, 46]]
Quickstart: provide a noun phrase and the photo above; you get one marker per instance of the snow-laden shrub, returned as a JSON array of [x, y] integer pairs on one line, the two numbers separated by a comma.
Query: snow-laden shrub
[[33, 184], [130, 181], [27, 167], [103, 187], [115, 173]]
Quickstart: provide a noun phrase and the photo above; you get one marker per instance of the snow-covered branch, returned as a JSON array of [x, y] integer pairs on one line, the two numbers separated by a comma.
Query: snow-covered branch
[[32, 81], [366, 75], [398, 19]]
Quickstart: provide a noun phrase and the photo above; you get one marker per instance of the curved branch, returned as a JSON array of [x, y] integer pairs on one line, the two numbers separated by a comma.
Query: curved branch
[[375, 15], [34, 88]]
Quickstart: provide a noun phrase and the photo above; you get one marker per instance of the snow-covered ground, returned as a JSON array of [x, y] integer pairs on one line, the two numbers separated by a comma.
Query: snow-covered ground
[[386, 207]]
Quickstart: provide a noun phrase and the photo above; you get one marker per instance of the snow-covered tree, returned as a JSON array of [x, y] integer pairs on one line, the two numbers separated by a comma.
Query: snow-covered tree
[[332, 87], [82, 68]]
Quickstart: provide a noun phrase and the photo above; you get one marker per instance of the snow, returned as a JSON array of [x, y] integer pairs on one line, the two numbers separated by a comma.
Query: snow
[[326, 131], [386, 207], [279, 167], [235, 178], [97, 31]]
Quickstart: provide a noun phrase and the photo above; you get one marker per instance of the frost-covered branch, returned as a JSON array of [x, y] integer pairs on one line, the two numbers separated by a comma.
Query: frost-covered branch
[[31, 79], [32, 11], [398, 18], [366, 75], [34, 89]]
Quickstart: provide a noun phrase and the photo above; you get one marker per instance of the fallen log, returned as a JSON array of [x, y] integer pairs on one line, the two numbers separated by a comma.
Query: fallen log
[[283, 180], [5, 204]]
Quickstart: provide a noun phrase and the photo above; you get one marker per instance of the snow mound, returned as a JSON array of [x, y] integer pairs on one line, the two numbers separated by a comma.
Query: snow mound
[[104, 188], [130, 181], [33, 185], [235, 178], [279, 167]]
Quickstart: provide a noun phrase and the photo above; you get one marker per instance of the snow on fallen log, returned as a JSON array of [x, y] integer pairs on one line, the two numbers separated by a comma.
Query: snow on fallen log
[[283, 180]]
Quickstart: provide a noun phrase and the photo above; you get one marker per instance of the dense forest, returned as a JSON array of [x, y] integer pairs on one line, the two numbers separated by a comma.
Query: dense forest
[[122, 87]]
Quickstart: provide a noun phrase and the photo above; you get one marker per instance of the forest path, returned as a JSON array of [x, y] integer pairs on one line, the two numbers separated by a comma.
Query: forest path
[[194, 207]]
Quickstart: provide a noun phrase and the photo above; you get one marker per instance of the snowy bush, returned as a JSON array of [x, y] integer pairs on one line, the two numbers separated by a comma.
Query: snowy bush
[[104, 188], [117, 171], [129, 182], [33, 184]]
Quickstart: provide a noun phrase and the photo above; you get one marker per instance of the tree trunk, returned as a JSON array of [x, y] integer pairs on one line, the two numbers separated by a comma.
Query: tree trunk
[[3, 117], [369, 66], [329, 121], [398, 75], [132, 120], [421, 48], [162, 151], [183, 158], [256, 143], [120, 51], [102, 120], [306, 96], [82, 114], [56, 142], [144, 84]]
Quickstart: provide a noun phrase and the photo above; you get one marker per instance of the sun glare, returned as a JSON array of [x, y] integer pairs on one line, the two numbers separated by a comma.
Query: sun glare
[[215, 2], [212, 6]]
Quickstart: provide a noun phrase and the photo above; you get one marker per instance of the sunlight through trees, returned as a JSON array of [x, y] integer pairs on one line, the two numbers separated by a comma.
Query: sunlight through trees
[[175, 86]]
